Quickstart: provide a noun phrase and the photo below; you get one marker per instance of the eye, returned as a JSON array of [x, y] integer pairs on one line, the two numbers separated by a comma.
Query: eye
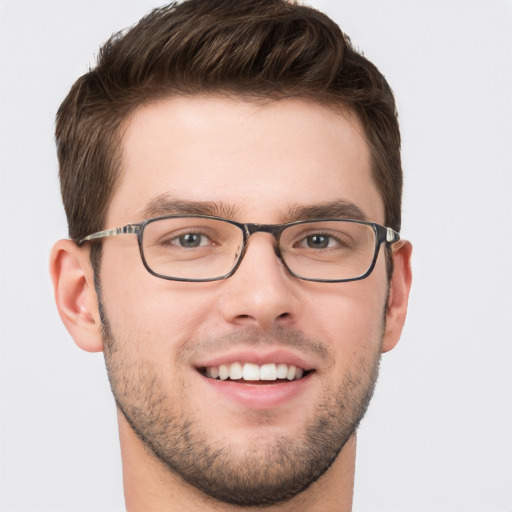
[[319, 241], [190, 240]]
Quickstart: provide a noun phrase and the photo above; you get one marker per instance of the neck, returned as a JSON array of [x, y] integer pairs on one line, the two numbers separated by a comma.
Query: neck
[[149, 486]]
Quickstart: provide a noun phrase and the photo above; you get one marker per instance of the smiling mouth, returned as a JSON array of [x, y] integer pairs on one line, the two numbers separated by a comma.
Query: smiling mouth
[[250, 372]]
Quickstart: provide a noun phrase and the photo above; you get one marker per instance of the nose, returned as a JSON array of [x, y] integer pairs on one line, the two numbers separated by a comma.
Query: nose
[[261, 293]]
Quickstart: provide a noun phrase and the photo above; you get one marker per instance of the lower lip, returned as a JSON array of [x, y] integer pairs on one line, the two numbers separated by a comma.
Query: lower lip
[[259, 396]]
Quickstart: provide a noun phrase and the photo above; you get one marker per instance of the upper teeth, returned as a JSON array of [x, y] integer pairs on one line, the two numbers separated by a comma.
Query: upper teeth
[[251, 371]]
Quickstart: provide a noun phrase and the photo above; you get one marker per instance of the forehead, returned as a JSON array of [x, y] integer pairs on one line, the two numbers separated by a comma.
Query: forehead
[[259, 161]]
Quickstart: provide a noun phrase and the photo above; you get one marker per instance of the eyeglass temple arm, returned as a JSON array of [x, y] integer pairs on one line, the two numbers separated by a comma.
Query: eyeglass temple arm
[[392, 236], [129, 229]]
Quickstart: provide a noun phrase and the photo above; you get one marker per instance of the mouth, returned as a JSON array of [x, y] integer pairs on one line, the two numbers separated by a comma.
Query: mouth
[[250, 372], [258, 381]]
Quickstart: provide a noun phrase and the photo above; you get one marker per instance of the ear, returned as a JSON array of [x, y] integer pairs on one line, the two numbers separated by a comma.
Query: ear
[[73, 282], [398, 294]]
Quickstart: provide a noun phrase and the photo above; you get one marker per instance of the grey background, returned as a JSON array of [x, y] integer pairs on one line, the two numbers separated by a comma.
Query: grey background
[[438, 434]]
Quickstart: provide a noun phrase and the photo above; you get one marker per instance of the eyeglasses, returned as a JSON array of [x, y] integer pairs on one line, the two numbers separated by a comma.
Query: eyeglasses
[[206, 248]]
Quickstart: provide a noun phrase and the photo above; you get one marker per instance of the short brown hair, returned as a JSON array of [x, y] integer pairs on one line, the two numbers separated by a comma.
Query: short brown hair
[[251, 49]]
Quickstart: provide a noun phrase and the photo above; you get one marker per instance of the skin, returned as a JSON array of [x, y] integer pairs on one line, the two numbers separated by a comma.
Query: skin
[[260, 162]]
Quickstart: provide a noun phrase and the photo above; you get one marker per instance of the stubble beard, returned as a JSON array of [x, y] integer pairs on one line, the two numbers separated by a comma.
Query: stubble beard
[[269, 471]]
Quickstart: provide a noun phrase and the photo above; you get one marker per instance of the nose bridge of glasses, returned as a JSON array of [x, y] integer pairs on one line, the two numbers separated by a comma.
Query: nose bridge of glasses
[[273, 229]]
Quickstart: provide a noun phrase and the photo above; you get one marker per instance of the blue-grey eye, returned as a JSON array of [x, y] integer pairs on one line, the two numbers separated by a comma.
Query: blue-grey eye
[[191, 240], [318, 241]]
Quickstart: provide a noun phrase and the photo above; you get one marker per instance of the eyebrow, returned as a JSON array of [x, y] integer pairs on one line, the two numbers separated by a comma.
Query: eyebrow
[[338, 209], [167, 205]]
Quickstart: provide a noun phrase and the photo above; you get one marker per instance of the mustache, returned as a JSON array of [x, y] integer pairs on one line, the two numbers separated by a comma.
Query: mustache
[[252, 337]]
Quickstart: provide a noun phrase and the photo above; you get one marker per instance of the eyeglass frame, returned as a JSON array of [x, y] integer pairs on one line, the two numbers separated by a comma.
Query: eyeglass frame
[[383, 234]]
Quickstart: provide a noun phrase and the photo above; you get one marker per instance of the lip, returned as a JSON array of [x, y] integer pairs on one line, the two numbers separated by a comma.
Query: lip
[[259, 396]]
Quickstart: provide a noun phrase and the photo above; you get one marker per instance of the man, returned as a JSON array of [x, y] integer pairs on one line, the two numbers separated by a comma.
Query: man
[[231, 176]]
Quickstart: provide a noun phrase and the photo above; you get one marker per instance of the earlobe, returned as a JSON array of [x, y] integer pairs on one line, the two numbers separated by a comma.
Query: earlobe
[[398, 295], [75, 296]]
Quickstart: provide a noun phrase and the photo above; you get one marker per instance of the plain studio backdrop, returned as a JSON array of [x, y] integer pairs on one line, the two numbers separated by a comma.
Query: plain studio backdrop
[[437, 437]]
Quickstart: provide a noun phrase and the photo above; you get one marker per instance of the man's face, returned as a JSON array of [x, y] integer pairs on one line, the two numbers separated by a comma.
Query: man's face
[[240, 441]]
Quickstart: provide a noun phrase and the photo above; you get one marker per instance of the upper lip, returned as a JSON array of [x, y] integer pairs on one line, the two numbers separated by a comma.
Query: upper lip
[[259, 357]]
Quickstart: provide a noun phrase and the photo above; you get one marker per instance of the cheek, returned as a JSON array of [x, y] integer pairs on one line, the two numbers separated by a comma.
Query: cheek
[[350, 318], [152, 313]]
